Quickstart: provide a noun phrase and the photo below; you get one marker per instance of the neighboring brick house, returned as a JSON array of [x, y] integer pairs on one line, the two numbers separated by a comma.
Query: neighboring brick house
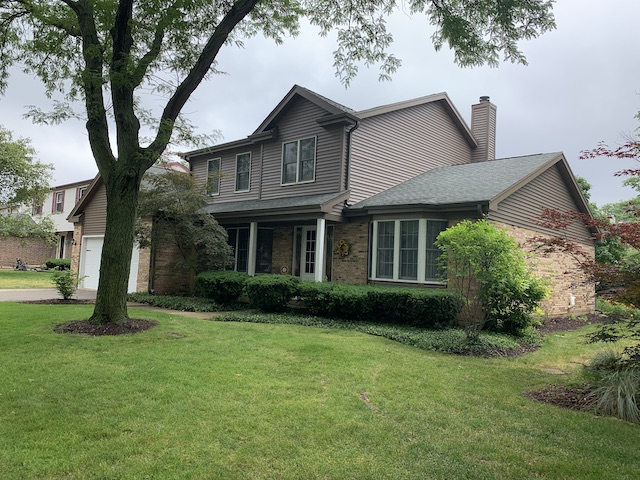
[[323, 192], [317, 179], [57, 205]]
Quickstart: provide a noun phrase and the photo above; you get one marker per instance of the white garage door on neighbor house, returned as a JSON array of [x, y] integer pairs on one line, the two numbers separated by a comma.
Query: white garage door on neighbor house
[[90, 263]]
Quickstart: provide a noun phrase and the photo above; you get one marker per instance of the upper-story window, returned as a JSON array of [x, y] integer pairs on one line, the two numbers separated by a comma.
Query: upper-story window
[[213, 177], [299, 161], [58, 202], [243, 171], [405, 250], [37, 209], [80, 192]]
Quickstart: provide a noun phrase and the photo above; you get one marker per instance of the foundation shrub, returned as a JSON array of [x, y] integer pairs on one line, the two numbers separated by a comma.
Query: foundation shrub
[[272, 293], [222, 286], [417, 307], [408, 306], [336, 300]]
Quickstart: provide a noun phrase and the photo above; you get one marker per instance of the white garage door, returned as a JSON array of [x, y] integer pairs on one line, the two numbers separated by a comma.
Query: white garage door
[[90, 263]]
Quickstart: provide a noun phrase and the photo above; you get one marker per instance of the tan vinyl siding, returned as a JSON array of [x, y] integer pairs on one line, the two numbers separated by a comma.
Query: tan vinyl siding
[[228, 172], [297, 123], [390, 148], [547, 190], [95, 214]]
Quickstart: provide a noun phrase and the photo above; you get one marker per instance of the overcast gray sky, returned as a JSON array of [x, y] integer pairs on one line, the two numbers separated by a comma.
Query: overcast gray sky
[[581, 87]]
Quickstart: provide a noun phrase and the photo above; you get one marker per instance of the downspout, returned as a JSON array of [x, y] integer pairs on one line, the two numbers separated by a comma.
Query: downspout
[[348, 155]]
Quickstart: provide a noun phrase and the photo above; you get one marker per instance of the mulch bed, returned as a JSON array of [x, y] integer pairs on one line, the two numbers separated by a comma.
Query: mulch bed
[[574, 398], [562, 324], [131, 325], [59, 301]]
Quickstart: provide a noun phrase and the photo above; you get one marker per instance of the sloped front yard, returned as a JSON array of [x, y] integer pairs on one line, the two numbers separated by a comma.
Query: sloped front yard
[[198, 399]]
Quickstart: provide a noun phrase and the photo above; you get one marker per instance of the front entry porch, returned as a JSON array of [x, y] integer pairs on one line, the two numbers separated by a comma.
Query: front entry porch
[[304, 249]]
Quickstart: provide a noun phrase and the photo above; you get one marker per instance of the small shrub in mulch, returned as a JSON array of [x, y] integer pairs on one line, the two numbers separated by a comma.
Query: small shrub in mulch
[[131, 325]]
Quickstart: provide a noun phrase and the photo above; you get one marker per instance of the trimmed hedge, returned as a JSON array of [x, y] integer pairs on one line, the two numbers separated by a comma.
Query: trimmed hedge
[[272, 293], [58, 263], [406, 306], [223, 286]]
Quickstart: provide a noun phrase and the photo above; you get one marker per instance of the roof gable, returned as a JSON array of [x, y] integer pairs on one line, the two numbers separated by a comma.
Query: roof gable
[[332, 108]]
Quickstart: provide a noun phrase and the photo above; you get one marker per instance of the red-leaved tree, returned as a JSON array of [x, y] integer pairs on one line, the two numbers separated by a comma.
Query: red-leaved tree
[[623, 277]]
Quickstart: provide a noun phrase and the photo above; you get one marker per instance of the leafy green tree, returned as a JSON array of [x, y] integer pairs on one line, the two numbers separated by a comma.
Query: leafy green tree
[[106, 52], [487, 266], [24, 182], [170, 214]]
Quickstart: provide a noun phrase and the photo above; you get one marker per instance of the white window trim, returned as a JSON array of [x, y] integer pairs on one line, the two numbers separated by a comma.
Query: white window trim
[[315, 161], [422, 251], [235, 176], [219, 175]]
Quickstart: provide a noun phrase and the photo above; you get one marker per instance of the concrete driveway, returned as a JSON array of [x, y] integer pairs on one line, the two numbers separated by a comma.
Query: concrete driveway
[[21, 295]]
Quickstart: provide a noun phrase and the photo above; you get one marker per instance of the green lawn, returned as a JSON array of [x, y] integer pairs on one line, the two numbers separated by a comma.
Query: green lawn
[[195, 399], [17, 279]]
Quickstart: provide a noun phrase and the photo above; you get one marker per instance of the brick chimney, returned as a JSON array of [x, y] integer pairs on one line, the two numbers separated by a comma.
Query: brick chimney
[[483, 127]]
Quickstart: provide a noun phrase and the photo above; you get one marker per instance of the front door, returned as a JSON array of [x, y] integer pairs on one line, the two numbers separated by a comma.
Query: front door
[[308, 253]]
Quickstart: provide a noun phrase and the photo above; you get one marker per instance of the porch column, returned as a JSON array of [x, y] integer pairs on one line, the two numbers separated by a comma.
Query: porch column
[[320, 253], [253, 247]]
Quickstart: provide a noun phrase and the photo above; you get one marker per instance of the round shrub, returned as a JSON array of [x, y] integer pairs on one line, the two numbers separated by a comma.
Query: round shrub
[[58, 263], [271, 293], [223, 286]]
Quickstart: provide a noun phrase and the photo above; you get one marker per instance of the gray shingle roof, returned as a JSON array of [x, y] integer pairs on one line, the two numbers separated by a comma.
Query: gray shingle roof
[[456, 184], [274, 204]]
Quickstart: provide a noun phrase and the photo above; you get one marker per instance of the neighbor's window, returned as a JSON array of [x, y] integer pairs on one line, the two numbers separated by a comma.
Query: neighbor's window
[[37, 209], [213, 177], [58, 202], [80, 192], [243, 170], [299, 161], [404, 250]]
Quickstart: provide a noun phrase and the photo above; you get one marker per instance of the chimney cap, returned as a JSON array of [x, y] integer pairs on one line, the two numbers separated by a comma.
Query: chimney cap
[[484, 98]]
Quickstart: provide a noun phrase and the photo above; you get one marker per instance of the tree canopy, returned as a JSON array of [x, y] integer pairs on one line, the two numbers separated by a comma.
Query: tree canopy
[[24, 183], [106, 52]]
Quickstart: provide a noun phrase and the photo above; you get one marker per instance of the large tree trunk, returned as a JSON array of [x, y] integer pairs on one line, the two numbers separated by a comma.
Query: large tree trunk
[[115, 264]]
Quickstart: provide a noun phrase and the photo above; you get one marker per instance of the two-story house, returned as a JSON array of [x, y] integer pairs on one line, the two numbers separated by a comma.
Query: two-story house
[[323, 192], [57, 205]]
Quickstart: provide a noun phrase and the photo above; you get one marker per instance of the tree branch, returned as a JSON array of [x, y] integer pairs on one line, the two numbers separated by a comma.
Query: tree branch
[[238, 11], [93, 54]]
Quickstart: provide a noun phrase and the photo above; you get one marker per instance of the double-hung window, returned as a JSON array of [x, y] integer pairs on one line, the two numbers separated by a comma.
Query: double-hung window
[[243, 171], [299, 161], [404, 250], [213, 177], [58, 202]]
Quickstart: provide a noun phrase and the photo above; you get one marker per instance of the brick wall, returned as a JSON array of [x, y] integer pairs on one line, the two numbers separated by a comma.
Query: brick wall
[[168, 279], [354, 267], [282, 253], [76, 248], [563, 273], [33, 251]]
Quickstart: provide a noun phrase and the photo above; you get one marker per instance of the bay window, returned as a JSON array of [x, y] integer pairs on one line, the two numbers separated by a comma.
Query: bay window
[[404, 250]]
